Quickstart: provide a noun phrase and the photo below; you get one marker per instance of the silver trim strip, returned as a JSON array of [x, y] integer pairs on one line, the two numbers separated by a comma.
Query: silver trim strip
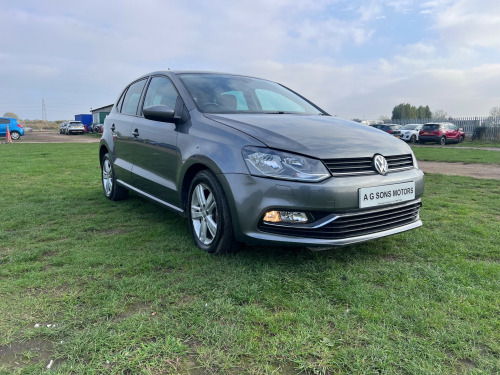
[[323, 244], [130, 187]]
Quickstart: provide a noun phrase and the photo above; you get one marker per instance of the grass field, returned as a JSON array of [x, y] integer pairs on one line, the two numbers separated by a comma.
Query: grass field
[[449, 154], [101, 287]]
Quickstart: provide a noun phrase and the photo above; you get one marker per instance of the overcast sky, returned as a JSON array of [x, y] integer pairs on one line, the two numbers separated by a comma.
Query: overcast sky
[[355, 59]]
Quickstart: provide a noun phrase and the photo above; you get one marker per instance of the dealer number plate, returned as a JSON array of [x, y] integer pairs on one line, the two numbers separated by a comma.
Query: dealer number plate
[[386, 194]]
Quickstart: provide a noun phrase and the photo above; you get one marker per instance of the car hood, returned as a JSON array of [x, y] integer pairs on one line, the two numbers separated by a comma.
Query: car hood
[[323, 137]]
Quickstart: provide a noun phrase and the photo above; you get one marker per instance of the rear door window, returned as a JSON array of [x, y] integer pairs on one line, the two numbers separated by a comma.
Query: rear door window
[[132, 97]]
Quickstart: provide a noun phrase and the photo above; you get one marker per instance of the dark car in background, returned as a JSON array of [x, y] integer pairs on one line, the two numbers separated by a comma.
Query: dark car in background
[[15, 128], [392, 129], [249, 160], [63, 127], [441, 133]]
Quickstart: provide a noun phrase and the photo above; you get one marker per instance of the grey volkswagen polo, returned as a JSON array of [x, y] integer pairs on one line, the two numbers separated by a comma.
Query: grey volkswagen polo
[[249, 160]]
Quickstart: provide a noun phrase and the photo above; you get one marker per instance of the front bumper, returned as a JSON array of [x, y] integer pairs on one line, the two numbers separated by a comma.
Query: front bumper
[[407, 136], [249, 197]]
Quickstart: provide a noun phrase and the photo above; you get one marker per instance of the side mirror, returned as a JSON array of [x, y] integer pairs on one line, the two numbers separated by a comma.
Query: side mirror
[[160, 112]]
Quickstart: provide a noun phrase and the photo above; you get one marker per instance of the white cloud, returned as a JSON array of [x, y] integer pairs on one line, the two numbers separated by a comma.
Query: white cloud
[[81, 54]]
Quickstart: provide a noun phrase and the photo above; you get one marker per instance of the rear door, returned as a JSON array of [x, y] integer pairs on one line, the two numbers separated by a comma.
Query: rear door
[[157, 158], [122, 123], [3, 126]]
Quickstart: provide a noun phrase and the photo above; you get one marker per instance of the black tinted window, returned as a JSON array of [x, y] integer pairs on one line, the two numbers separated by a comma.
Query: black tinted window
[[161, 91], [4, 121], [430, 127], [132, 97]]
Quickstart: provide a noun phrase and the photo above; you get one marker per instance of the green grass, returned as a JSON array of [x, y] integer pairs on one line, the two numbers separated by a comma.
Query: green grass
[[447, 154], [129, 293], [478, 144]]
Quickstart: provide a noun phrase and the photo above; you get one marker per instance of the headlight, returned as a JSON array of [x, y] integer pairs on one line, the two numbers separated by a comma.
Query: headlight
[[283, 165]]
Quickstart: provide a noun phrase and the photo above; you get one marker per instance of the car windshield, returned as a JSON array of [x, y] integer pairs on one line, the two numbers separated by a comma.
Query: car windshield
[[216, 93], [409, 127]]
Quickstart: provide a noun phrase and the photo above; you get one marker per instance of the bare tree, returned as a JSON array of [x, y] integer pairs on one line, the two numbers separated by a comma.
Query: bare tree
[[11, 115], [439, 114], [495, 112]]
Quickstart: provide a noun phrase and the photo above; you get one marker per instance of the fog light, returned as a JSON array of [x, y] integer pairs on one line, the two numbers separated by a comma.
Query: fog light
[[272, 217], [285, 217]]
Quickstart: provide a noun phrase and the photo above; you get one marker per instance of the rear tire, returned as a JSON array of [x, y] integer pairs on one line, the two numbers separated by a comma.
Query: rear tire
[[209, 215], [442, 140], [111, 189], [15, 135]]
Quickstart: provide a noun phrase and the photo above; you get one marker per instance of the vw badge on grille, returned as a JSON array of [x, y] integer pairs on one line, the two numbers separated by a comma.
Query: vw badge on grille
[[380, 164]]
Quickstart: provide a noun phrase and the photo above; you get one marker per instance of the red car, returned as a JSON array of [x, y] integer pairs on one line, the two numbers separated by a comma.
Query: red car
[[441, 133]]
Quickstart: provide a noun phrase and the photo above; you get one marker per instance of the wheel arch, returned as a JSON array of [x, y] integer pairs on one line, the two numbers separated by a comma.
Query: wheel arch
[[103, 150], [187, 178]]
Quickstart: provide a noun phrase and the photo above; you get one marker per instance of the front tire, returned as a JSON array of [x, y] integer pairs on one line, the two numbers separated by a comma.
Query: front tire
[[209, 215], [111, 189], [461, 139], [442, 140], [413, 138]]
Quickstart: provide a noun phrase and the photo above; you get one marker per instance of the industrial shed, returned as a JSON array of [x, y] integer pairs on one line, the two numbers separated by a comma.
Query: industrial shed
[[99, 114]]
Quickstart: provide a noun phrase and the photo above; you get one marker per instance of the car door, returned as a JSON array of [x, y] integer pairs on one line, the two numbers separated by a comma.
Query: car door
[[121, 124], [156, 156], [453, 132], [3, 126]]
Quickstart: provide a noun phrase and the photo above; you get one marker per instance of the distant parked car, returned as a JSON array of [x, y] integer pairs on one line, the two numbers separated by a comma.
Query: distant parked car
[[63, 127], [15, 128], [409, 132], [392, 129], [441, 133], [75, 127]]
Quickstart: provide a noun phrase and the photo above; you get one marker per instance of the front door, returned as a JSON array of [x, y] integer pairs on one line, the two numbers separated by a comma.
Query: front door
[[157, 158]]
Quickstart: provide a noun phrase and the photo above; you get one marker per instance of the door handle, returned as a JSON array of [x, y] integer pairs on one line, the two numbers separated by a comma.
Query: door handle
[[113, 127], [135, 133]]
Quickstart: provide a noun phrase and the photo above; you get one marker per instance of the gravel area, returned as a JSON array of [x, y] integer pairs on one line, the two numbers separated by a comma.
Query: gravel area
[[476, 170], [55, 137]]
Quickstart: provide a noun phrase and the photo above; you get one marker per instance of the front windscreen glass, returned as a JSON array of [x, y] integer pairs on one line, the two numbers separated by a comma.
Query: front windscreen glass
[[215, 93]]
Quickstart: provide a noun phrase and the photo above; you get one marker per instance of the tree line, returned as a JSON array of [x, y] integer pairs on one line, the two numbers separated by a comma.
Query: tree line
[[406, 110]]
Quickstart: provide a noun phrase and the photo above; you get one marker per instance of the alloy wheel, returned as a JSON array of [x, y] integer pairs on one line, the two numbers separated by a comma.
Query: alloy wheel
[[107, 177], [204, 214]]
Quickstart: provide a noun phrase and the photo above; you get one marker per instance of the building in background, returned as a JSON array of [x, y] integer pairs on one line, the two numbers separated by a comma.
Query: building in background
[[98, 116]]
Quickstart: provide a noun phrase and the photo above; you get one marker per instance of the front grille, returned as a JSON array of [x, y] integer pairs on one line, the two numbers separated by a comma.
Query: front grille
[[356, 224], [355, 166]]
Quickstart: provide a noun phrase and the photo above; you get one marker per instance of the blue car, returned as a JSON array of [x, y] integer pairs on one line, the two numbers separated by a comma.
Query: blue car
[[15, 128]]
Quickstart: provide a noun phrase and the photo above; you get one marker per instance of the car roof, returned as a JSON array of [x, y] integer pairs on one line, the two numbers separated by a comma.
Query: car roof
[[179, 72]]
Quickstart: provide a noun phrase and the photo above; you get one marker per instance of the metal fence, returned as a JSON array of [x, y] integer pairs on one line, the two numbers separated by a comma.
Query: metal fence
[[483, 128]]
